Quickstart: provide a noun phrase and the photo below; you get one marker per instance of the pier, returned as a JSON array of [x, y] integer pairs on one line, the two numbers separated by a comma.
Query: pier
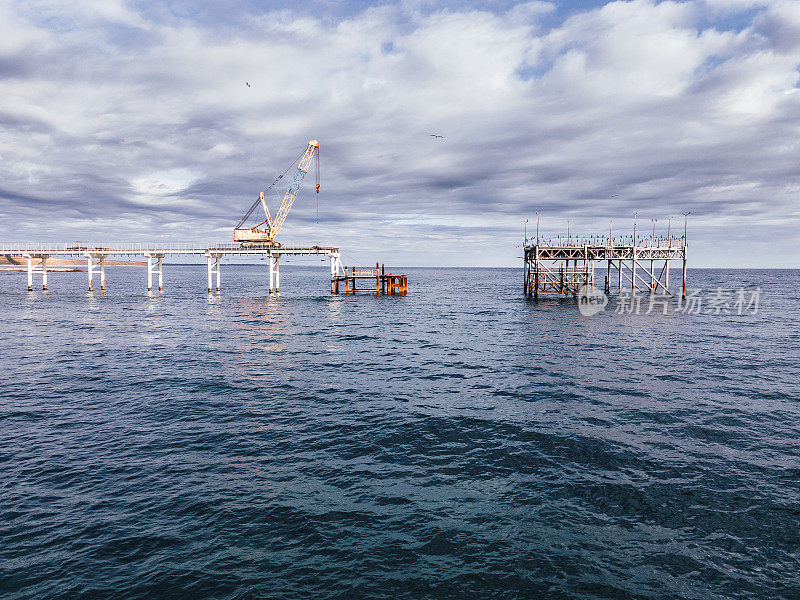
[[567, 264], [95, 256], [255, 239]]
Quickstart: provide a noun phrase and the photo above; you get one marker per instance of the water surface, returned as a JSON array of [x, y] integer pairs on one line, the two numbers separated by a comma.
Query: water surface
[[459, 442]]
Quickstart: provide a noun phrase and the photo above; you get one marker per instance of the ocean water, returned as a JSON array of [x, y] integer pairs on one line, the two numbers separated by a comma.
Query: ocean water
[[459, 442]]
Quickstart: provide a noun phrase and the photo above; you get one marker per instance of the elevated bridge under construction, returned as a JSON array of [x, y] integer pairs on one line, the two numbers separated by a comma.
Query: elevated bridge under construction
[[250, 239], [35, 257]]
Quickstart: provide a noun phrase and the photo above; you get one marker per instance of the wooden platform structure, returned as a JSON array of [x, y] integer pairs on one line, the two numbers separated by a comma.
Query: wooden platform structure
[[565, 265], [386, 283]]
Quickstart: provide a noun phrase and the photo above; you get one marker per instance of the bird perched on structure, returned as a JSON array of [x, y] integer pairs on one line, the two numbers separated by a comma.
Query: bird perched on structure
[[437, 136], [247, 84]]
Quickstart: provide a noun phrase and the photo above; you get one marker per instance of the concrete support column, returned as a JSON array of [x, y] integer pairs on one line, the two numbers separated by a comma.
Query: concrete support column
[[336, 268], [219, 273], [44, 273], [666, 275], [149, 273], [209, 274], [30, 274], [160, 273], [271, 274], [277, 274], [633, 274], [90, 272], [102, 273]]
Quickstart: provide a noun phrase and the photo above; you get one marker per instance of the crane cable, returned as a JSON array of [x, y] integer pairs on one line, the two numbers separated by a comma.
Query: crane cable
[[357, 260], [317, 182]]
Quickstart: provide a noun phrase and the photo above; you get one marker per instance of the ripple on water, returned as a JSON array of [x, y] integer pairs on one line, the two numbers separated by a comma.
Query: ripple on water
[[240, 446]]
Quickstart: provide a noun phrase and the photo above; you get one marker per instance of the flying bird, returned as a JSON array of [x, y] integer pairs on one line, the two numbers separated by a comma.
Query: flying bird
[[247, 84], [436, 136]]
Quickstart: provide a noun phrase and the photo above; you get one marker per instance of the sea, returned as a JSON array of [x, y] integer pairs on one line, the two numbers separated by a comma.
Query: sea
[[457, 442]]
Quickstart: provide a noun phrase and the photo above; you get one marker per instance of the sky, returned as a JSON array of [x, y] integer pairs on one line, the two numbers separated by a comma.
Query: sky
[[132, 121]]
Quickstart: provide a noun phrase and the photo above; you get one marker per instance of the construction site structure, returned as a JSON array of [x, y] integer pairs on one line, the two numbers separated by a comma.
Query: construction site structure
[[262, 234], [35, 256], [567, 265], [95, 255], [255, 241], [386, 283]]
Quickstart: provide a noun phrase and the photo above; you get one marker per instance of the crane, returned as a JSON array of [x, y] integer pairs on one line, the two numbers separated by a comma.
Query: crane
[[264, 237]]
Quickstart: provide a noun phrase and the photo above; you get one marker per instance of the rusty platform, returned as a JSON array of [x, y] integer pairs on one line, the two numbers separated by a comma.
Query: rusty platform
[[379, 281]]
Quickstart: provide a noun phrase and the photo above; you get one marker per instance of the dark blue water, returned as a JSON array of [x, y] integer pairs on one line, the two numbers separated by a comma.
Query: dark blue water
[[459, 442]]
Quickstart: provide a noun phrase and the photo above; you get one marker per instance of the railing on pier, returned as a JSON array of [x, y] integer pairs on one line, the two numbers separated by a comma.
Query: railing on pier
[[146, 247], [642, 241]]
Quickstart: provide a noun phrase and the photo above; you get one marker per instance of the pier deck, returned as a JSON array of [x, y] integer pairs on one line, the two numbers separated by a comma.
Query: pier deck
[[96, 254]]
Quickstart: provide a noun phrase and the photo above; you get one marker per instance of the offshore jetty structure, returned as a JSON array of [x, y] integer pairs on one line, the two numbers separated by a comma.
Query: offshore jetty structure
[[565, 265], [255, 240], [95, 256]]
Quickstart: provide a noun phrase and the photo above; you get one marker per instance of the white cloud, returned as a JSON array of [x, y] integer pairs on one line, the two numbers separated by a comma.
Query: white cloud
[[80, 13], [633, 106]]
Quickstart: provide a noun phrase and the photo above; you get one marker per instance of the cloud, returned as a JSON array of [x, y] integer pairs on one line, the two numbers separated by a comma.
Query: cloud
[[125, 120]]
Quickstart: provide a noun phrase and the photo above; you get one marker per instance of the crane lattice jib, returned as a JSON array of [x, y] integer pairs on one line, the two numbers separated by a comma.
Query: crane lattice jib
[[294, 187]]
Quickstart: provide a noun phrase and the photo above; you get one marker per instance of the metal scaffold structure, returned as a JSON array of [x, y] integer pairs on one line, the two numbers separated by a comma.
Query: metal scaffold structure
[[567, 264], [378, 281]]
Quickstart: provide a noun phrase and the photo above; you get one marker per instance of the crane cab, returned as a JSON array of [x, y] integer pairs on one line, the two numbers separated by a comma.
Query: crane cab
[[254, 238], [250, 235]]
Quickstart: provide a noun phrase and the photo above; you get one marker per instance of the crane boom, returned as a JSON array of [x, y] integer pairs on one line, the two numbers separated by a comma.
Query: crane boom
[[252, 235], [294, 187]]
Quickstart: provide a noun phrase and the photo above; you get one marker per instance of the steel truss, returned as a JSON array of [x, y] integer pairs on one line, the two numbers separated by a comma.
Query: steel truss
[[568, 268]]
